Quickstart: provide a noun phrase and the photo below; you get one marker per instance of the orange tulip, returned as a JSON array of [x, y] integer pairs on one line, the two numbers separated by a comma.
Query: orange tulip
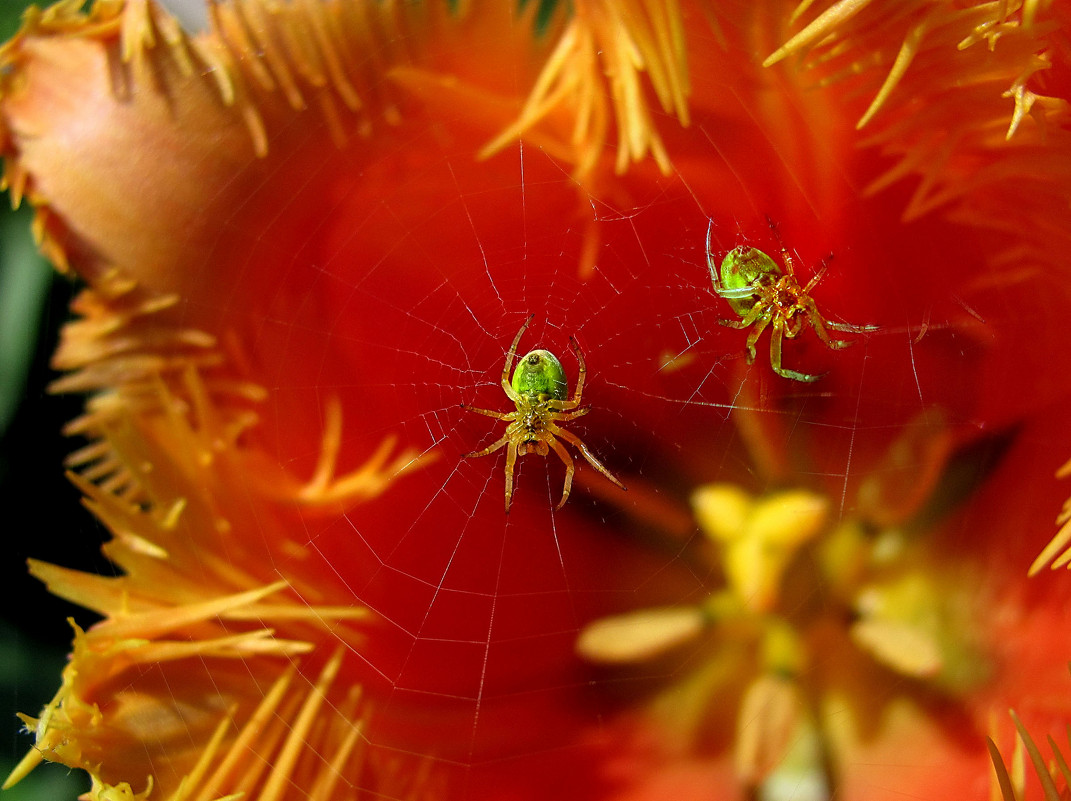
[[307, 237]]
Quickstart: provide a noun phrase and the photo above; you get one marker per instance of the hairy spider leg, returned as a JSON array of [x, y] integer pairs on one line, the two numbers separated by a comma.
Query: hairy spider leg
[[734, 294], [489, 412], [759, 315], [786, 257], [760, 309], [555, 405], [577, 443], [794, 320], [819, 323], [710, 262], [494, 446], [509, 439], [790, 266], [719, 289], [567, 416], [511, 460], [775, 355], [506, 386], [818, 275], [513, 452], [812, 311], [581, 372], [851, 329], [570, 468], [710, 259], [760, 325]]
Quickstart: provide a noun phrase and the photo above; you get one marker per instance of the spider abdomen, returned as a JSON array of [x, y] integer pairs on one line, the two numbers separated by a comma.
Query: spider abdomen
[[745, 267], [539, 376]]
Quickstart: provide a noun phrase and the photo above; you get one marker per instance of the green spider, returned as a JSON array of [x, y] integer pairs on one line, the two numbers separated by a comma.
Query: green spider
[[539, 389], [763, 297]]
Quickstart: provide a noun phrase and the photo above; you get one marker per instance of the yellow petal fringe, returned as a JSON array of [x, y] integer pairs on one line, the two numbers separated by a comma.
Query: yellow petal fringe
[[952, 104], [1058, 551], [962, 107], [186, 605], [167, 474], [298, 739], [128, 348], [268, 60], [167, 468], [264, 60], [327, 54], [331, 55], [1010, 784], [610, 42]]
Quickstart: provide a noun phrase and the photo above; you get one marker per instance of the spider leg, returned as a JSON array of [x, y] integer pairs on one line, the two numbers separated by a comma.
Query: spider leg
[[738, 324], [710, 261], [581, 370], [489, 412], [818, 275], [812, 310], [715, 279], [820, 329], [734, 294], [506, 386], [577, 443], [494, 446], [851, 329], [753, 337], [567, 460], [564, 418], [582, 373], [775, 355], [794, 326], [753, 314], [786, 258], [511, 461]]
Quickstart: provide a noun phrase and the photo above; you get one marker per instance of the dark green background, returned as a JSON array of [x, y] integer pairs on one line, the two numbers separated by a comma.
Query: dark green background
[[45, 518]]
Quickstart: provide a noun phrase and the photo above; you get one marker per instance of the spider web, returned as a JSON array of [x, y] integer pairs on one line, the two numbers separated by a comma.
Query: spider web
[[484, 608], [413, 307]]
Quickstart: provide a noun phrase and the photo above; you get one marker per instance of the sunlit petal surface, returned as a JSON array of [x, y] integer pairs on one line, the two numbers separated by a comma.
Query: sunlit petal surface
[[307, 236]]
